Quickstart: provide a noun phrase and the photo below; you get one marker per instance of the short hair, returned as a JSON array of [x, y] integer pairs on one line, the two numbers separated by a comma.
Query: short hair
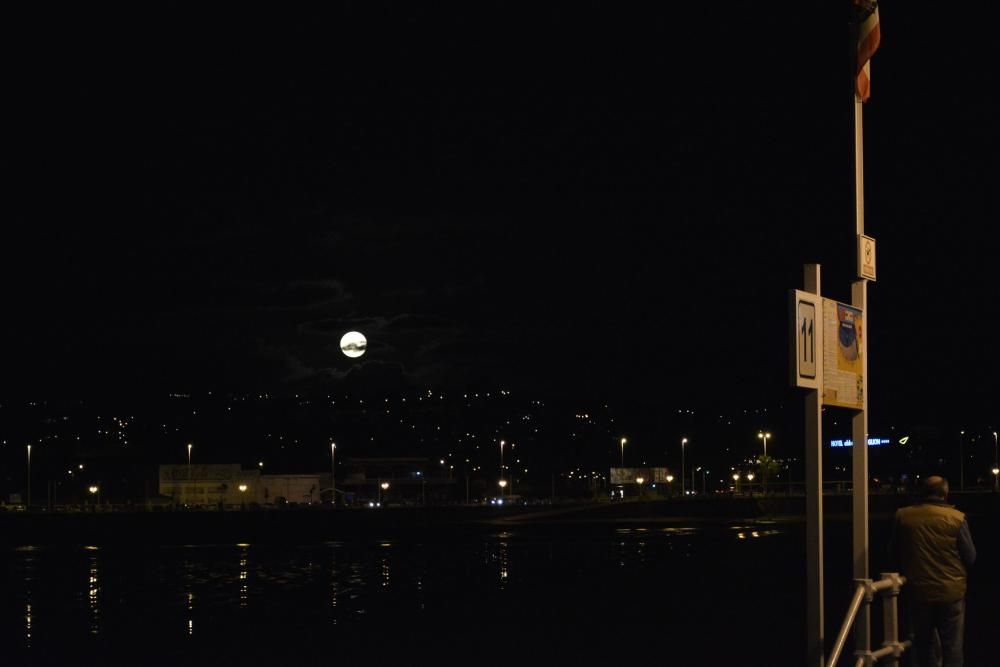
[[936, 486]]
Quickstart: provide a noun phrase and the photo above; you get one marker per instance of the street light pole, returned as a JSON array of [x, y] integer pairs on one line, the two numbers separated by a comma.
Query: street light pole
[[623, 452], [333, 474], [961, 461], [996, 462], [502, 485], [29, 477], [764, 436], [683, 443]]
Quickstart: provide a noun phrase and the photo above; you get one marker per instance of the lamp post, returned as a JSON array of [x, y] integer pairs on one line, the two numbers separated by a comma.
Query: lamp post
[[503, 482], [764, 436], [670, 485], [382, 487], [189, 460], [684, 441], [750, 482], [29, 477], [961, 461], [333, 474], [736, 483], [94, 491], [623, 452], [996, 462], [639, 481]]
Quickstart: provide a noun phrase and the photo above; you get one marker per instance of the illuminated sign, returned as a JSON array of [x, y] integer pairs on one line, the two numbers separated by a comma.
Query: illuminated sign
[[872, 442]]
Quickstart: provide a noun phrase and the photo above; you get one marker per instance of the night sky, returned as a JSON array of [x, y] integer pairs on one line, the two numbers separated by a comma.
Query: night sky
[[580, 199]]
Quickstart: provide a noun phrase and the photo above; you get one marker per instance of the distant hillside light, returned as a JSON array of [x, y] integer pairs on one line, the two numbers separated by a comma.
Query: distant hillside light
[[353, 344]]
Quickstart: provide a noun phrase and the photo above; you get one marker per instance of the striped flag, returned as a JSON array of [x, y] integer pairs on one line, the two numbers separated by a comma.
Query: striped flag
[[868, 41]]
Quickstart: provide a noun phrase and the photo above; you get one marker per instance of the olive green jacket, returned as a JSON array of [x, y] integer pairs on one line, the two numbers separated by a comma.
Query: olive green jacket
[[932, 547]]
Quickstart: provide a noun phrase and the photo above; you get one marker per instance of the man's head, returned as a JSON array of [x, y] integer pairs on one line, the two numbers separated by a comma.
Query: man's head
[[936, 487]]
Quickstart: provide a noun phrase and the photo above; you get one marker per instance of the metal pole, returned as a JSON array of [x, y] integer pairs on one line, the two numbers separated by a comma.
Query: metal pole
[[683, 442], [859, 422], [814, 502], [961, 461], [501, 469], [852, 611], [29, 477], [333, 475], [996, 460], [890, 618], [862, 629], [859, 495]]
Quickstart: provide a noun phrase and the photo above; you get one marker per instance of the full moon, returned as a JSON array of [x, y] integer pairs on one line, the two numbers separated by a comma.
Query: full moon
[[353, 344]]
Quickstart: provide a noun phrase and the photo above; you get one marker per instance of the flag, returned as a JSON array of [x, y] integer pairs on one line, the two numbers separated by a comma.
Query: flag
[[868, 41]]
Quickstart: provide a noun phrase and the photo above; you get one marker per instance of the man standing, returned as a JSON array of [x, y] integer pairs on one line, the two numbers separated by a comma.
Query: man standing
[[932, 546]]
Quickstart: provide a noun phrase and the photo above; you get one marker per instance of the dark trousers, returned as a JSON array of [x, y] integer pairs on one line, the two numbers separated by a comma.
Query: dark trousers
[[931, 623]]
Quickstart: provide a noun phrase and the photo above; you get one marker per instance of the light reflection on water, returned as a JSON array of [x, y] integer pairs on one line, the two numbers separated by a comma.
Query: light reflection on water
[[196, 595], [93, 593]]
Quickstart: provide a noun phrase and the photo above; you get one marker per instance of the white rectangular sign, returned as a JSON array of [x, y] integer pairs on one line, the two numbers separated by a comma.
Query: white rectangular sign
[[866, 257], [806, 344]]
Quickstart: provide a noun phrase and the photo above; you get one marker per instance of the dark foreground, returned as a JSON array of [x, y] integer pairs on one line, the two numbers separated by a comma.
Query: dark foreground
[[556, 585]]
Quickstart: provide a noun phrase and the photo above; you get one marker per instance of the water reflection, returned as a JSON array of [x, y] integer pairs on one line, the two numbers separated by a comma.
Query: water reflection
[[93, 592], [29, 578], [355, 586], [188, 579], [244, 575], [334, 584], [504, 558], [386, 573], [750, 532]]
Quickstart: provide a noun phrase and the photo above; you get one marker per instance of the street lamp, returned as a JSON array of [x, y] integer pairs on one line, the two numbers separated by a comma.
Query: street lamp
[[750, 482], [996, 463], [684, 441], [736, 482], [996, 471], [503, 483], [764, 436], [333, 474], [382, 487], [639, 481], [29, 477], [623, 452], [94, 490], [189, 460]]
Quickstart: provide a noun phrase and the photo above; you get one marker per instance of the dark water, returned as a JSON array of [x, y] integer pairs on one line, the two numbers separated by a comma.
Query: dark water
[[721, 594]]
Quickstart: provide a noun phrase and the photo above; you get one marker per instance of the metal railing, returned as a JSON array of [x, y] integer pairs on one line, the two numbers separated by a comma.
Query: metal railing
[[864, 593]]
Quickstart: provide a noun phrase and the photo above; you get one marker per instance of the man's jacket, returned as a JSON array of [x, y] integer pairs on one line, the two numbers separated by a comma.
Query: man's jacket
[[933, 548]]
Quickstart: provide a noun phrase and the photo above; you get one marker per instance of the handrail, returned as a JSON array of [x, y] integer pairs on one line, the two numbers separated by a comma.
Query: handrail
[[852, 612], [865, 591]]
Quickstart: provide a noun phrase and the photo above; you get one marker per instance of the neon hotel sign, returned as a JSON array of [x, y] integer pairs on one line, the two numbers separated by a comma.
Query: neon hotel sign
[[872, 442]]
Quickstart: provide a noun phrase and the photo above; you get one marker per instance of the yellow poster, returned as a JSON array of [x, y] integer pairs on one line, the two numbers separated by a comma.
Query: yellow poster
[[843, 361]]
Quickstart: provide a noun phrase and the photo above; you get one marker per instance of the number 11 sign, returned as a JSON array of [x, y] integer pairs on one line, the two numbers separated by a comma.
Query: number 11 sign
[[806, 346]]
